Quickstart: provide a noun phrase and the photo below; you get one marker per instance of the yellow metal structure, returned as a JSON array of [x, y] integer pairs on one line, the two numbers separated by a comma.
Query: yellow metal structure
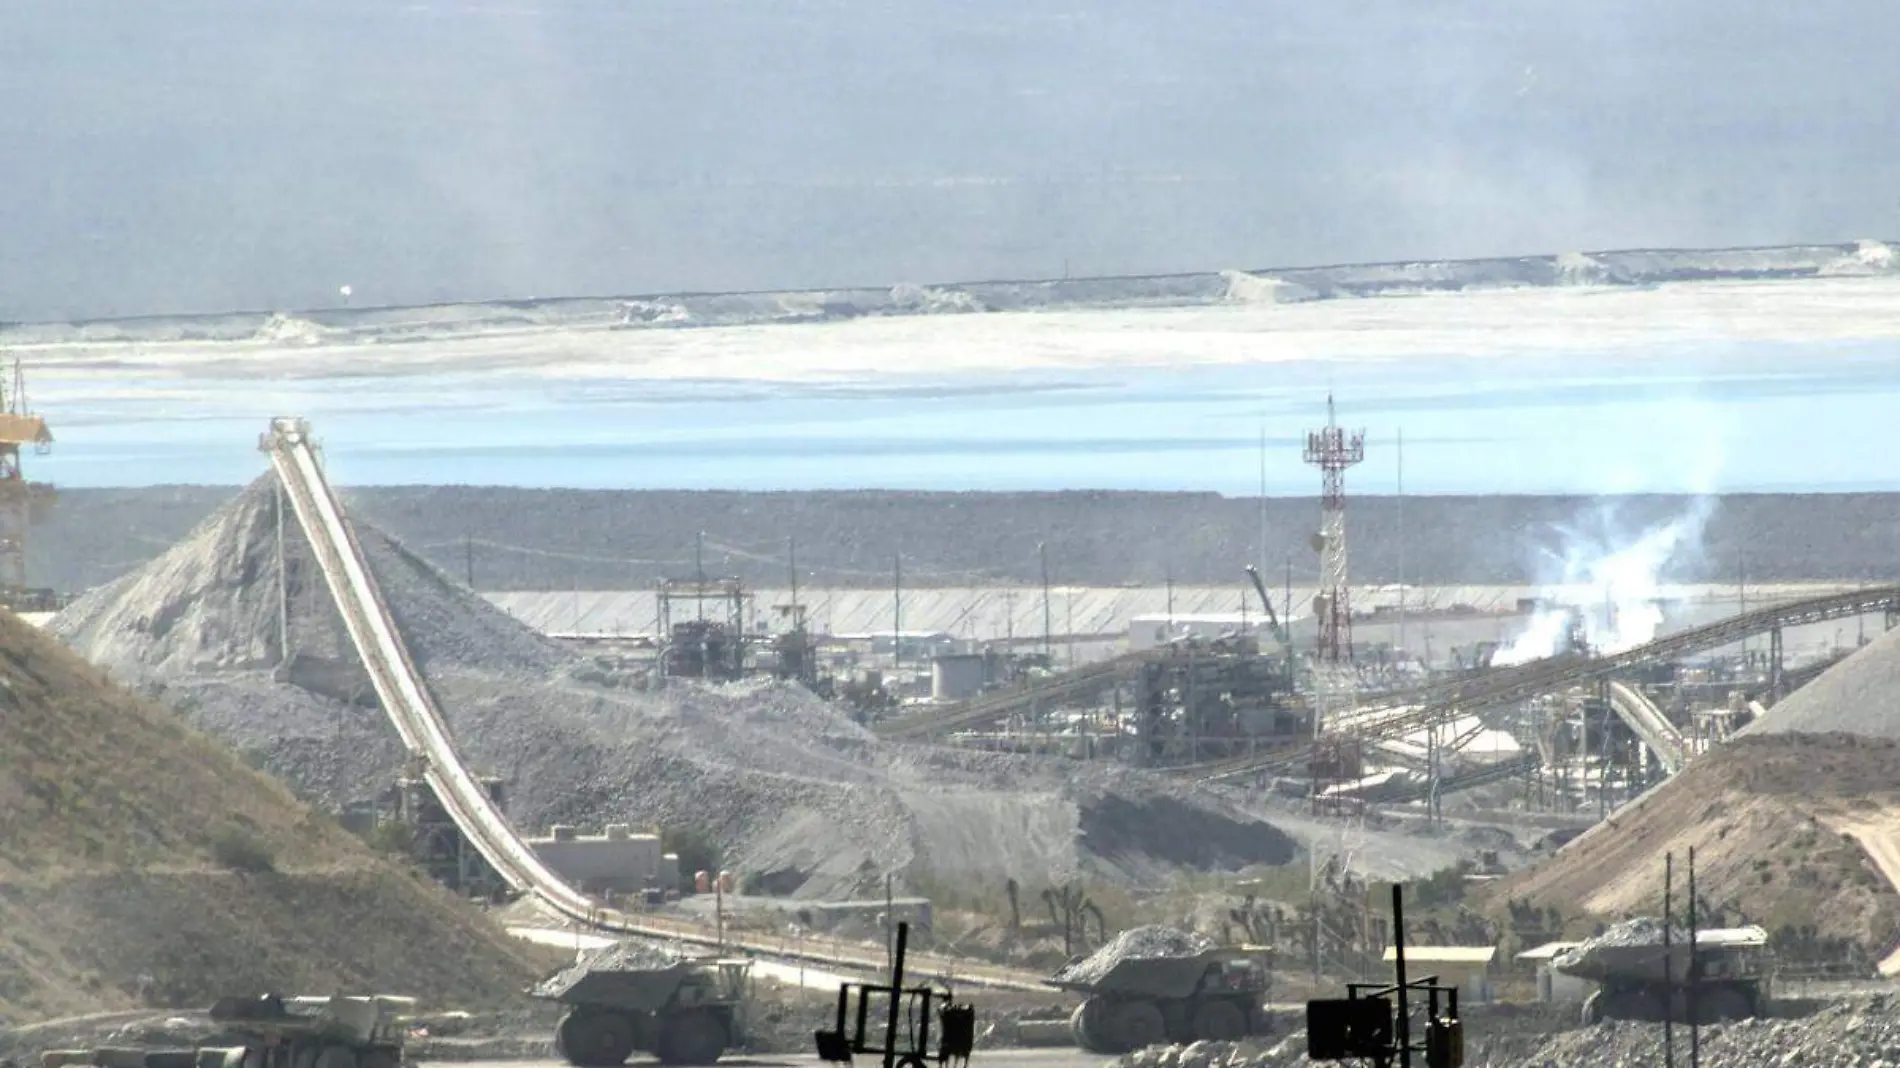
[[21, 501]]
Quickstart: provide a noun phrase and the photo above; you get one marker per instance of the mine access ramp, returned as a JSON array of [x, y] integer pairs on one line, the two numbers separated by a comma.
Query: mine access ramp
[[405, 698]]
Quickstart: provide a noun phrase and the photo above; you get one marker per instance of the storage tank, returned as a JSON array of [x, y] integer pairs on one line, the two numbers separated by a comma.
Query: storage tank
[[956, 677]]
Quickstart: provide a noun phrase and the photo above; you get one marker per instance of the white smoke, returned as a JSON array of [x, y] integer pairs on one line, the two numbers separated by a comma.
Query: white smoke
[[1610, 584]]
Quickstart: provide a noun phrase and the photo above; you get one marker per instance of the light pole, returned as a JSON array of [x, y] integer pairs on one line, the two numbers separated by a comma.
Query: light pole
[[1042, 556]]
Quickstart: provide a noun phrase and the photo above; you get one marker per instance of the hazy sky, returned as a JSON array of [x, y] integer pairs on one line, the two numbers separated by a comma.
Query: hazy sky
[[203, 155]]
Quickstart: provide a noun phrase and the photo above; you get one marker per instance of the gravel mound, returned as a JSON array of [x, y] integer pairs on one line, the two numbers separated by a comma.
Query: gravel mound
[[785, 783], [1860, 695], [1641, 931], [1136, 943], [633, 955]]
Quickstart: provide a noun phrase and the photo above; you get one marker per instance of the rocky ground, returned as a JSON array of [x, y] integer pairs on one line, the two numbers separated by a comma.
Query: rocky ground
[[512, 539], [1855, 1032]]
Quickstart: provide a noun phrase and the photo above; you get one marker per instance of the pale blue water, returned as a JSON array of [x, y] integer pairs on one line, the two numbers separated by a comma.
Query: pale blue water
[[1692, 416]]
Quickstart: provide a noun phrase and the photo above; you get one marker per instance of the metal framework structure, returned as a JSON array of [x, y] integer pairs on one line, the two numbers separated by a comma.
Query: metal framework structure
[[702, 647], [19, 498], [436, 843], [1333, 450], [1334, 762], [1401, 713]]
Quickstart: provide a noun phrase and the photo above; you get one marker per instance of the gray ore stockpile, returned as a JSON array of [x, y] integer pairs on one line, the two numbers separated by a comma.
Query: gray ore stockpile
[[1136, 943], [628, 956], [786, 783], [1860, 695]]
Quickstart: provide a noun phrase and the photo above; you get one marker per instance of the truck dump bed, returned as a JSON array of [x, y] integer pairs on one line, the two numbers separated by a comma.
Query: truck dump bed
[[645, 990], [1634, 951], [1151, 977]]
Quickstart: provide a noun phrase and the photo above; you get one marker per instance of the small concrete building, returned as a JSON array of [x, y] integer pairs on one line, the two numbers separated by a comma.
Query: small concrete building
[[619, 860], [1466, 967], [1553, 985]]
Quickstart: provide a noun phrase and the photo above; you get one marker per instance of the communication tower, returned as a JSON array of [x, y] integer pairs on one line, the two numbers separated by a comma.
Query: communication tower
[[20, 500], [1332, 450], [1337, 763]]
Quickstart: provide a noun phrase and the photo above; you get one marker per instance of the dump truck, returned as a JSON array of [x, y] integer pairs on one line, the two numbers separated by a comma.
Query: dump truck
[[1136, 999], [272, 1031], [1639, 978], [683, 1010]]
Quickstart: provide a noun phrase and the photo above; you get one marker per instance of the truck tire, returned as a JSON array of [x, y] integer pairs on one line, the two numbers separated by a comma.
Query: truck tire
[[1138, 1025], [1593, 1009], [1088, 1025], [1219, 1021], [692, 1038], [594, 1039]]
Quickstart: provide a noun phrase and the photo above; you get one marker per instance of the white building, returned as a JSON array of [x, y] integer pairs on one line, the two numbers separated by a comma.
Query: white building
[[1553, 985]]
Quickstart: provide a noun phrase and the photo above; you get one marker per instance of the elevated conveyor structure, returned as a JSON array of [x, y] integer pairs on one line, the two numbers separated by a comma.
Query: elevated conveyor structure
[[989, 708], [1414, 710], [412, 710], [1650, 726]]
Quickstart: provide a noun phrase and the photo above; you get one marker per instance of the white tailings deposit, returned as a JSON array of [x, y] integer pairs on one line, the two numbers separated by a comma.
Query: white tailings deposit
[[1638, 268], [786, 783]]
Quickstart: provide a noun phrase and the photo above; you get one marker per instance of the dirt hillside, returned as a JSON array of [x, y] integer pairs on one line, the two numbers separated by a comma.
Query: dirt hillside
[[142, 862], [1789, 830]]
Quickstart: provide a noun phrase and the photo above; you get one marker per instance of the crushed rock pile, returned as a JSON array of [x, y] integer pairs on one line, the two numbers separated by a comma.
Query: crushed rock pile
[[1860, 696], [1859, 1032], [1136, 943], [1640, 931], [1852, 1033], [632, 955], [786, 783]]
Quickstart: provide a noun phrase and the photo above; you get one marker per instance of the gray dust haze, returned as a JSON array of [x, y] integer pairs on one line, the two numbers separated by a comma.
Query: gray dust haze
[[174, 155]]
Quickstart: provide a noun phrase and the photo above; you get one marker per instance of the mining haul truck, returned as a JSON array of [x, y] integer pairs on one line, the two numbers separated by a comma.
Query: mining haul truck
[[1731, 980], [687, 1012], [1217, 994], [271, 1031]]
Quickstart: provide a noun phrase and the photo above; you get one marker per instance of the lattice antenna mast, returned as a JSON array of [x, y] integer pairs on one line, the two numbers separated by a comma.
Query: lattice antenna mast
[[1333, 450]]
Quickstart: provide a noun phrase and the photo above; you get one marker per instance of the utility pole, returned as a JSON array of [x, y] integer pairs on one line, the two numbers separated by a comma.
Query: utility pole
[[1401, 449], [1695, 1028], [699, 573], [468, 558], [791, 566], [1669, 984], [1263, 496], [897, 609], [283, 581], [1042, 555]]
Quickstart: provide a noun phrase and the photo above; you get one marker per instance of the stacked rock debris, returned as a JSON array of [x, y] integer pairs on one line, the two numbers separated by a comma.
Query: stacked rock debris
[[1858, 1032], [632, 955], [1136, 943]]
